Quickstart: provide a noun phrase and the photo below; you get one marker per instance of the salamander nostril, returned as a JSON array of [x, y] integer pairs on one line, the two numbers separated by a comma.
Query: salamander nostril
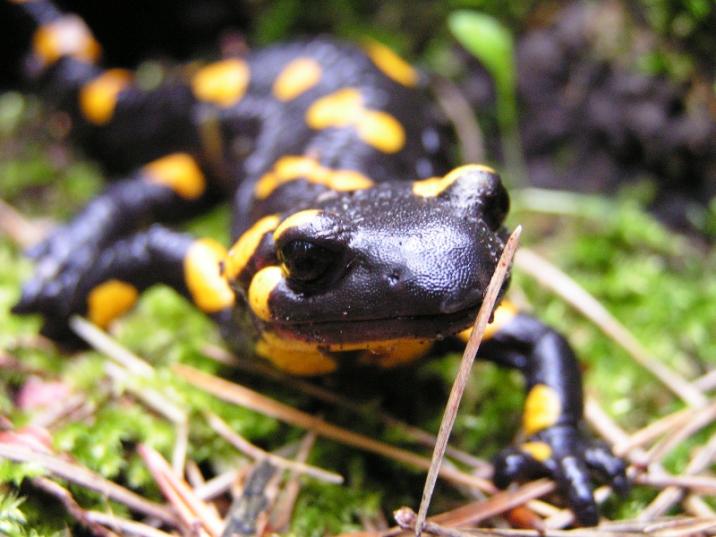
[[394, 277]]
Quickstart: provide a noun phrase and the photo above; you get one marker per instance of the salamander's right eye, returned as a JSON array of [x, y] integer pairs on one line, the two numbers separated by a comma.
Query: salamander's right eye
[[305, 261]]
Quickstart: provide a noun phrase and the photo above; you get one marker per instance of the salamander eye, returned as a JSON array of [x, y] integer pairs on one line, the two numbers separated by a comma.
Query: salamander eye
[[305, 261]]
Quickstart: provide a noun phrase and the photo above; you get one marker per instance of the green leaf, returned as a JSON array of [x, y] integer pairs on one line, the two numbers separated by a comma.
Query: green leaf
[[491, 43]]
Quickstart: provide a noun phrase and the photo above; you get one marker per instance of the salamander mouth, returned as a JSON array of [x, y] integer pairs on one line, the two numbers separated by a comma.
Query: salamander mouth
[[422, 327]]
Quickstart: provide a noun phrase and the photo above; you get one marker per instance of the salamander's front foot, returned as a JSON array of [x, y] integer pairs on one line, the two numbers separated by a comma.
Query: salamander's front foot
[[52, 291], [561, 452]]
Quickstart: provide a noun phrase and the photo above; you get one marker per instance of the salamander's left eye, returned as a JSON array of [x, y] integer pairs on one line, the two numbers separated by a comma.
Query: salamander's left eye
[[305, 261]]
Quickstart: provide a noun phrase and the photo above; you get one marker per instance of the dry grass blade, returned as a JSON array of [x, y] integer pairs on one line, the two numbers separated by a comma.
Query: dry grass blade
[[674, 484], [698, 420], [564, 286], [406, 518], [240, 395], [103, 343], [126, 363], [217, 485], [191, 509], [21, 230], [657, 428], [461, 114], [72, 507], [502, 502], [468, 357], [126, 527], [281, 513], [85, 478], [327, 396], [255, 452]]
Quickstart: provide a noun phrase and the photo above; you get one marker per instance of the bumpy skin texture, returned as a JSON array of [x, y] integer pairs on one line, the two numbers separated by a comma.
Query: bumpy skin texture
[[351, 243]]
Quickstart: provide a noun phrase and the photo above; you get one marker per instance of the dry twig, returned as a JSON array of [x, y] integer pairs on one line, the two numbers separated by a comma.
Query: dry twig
[[468, 357]]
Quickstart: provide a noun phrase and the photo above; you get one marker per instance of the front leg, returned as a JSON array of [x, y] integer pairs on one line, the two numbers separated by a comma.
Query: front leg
[[170, 188], [554, 444], [110, 287]]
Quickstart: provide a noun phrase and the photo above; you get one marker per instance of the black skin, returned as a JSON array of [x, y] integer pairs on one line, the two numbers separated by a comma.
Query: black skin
[[376, 264]]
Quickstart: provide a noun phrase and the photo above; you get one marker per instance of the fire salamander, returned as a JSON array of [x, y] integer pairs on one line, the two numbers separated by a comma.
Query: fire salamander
[[352, 239]]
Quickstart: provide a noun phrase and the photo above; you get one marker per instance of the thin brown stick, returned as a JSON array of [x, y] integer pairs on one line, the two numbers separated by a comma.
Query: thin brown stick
[[657, 428], [700, 419], [190, 508], [21, 231], [125, 363], [457, 108], [675, 485], [241, 395], [217, 485], [468, 357], [320, 393], [126, 527], [72, 507], [181, 445], [574, 294], [255, 452], [79, 475], [500, 503], [280, 516]]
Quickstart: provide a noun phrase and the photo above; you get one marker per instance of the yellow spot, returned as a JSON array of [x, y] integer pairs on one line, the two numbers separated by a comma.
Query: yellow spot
[[243, 249], [504, 313], [222, 83], [296, 78], [382, 131], [67, 36], [262, 284], [109, 300], [98, 98], [434, 186], [337, 109], [202, 274], [345, 107], [291, 168], [294, 356], [178, 171], [391, 64], [396, 353], [542, 409], [539, 451], [295, 220]]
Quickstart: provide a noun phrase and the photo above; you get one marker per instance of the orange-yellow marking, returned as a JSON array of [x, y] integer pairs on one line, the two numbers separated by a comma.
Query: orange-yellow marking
[[295, 220], [381, 130], [98, 98], [391, 64], [222, 83], [396, 353], [294, 356], [504, 313], [243, 249], [542, 409], [296, 78], [178, 171], [291, 168], [202, 274], [109, 300], [434, 186], [539, 451], [345, 107], [262, 284], [67, 36]]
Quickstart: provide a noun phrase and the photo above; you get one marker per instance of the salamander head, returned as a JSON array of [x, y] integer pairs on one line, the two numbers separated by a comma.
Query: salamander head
[[398, 260]]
